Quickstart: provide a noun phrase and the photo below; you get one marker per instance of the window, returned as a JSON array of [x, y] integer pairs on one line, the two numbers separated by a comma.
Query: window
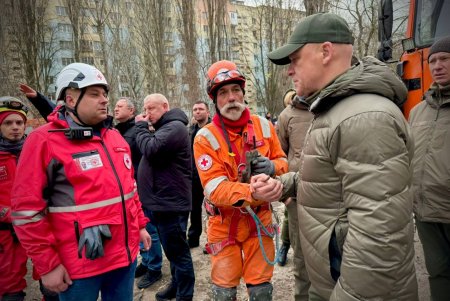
[[87, 60], [167, 36], [65, 28], [67, 61], [94, 29], [86, 45], [97, 46], [66, 45], [61, 10], [128, 5], [205, 28], [205, 15]]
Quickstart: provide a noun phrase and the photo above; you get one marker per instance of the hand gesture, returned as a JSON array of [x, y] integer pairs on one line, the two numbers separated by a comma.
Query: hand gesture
[[27, 90], [263, 187]]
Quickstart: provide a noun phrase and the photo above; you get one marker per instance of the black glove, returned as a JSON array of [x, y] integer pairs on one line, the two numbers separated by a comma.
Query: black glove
[[92, 238], [263, 165]]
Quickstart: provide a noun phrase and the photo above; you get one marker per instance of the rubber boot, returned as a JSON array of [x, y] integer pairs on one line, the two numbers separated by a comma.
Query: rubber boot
[[260, 292], [223, 293]]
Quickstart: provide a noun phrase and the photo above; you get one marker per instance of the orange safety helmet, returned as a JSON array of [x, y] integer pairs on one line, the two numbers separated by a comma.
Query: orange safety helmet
[[221, 73]]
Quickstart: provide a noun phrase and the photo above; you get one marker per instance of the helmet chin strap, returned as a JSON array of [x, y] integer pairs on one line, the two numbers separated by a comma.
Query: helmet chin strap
[[74, 111]]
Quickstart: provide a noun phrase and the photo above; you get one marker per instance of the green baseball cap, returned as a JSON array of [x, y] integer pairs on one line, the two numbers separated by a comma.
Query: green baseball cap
[[317, 28]]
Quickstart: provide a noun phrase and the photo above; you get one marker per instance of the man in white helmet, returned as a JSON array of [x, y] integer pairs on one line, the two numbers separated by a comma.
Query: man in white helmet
[[75, 207]]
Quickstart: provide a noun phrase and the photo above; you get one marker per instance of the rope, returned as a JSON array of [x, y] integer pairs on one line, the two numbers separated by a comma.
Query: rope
[[260, 226]]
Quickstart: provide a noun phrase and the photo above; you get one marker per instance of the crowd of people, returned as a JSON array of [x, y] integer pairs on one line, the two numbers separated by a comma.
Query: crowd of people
[[354, 174]]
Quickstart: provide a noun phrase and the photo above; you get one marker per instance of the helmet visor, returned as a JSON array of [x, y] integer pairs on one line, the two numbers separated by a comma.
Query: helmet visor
[[226, 75]]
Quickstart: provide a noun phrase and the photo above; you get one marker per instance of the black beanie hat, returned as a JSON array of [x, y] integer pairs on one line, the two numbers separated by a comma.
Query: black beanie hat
[[441, 45]]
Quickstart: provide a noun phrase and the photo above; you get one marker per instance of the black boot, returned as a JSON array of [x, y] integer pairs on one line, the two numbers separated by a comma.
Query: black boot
[[140, 271], [18, 296], [168, 293], [149, 278], [283, 254]]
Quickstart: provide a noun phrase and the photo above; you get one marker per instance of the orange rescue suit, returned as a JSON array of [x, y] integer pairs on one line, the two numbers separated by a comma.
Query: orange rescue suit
[[218, 171]]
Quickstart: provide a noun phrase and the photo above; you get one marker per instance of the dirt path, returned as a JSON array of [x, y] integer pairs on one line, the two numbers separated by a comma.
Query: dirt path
[[283, 281]]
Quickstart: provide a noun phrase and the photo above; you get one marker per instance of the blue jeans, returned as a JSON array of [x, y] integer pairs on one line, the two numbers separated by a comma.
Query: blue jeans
[[113, 285], [172, 233], [152, 258]]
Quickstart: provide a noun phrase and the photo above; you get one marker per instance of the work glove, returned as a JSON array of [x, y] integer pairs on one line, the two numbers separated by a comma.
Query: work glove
[[263, 165], [92, 238]]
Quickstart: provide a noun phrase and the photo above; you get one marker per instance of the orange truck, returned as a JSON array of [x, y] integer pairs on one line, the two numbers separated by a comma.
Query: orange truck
[[428, 20]]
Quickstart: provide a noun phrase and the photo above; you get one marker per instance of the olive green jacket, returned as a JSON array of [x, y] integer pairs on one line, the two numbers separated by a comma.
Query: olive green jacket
[[293, 123], [430, 126], [353, 189]]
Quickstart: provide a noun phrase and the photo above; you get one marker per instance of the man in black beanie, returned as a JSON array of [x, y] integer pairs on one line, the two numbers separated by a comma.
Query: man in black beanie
[[429, 122]]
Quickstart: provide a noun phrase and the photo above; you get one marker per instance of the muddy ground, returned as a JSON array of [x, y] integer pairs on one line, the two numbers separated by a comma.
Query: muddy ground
[[283, 281]]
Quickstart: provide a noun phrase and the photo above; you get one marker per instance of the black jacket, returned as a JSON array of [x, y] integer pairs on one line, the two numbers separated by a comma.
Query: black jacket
[[128, 131], [193, 129], [165, 171], [44, 105]]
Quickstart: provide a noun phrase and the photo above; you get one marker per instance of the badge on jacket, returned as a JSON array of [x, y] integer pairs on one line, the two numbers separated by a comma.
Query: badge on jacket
[[3, 173], [204, 162], [89, 162], [127, 161]]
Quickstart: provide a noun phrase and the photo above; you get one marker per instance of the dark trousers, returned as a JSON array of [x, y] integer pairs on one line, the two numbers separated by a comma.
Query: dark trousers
[[172, 234], [435, 239], [195, 229]]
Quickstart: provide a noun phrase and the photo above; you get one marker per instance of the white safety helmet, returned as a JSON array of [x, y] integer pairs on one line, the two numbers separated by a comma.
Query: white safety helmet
[[78, 76]]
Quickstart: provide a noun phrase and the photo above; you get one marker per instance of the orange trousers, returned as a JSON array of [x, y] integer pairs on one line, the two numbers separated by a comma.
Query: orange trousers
[[243, 259]]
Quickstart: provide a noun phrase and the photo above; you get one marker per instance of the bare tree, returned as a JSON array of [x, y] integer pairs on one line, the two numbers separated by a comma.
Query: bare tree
[[274, 23], [316, 6], [362, 16], [153, 33], [77, 17], [216, 11], [188, 33], [32, 39]]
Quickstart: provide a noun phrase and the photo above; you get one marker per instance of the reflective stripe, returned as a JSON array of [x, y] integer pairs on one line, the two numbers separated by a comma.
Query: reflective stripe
[[265, 126], [36, 218], [210, 137], [283, 158], [212, 185], [24, 213], [99, 204]]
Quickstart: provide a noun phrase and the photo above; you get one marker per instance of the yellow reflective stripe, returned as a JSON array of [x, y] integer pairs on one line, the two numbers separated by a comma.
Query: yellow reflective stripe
[[265, 126], [24, 213], [210, 137], [212, 185], [36, 218], [95, 205]]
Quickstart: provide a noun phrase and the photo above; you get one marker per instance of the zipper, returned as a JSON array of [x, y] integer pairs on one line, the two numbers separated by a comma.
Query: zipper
[[124, 210]]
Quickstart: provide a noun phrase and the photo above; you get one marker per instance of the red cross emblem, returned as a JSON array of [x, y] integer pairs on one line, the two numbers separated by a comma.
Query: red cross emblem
[[204, 162], [127, 161], [99, 76]]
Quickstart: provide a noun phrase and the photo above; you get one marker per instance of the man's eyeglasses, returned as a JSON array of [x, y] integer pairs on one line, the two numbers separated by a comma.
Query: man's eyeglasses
[[12, 105], [222, 76]]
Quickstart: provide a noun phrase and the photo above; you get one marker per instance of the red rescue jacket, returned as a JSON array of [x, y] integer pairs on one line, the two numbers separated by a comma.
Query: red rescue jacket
[[64, 186]]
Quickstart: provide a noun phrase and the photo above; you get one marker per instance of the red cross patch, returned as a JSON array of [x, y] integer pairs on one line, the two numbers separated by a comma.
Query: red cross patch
[[204, 162], [127, 161]]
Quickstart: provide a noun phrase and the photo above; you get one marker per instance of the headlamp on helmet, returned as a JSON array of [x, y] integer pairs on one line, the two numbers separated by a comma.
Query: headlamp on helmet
[[12, 104]]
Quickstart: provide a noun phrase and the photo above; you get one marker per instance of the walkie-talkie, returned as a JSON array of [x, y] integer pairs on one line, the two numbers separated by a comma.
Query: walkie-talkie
[[81, 133]]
